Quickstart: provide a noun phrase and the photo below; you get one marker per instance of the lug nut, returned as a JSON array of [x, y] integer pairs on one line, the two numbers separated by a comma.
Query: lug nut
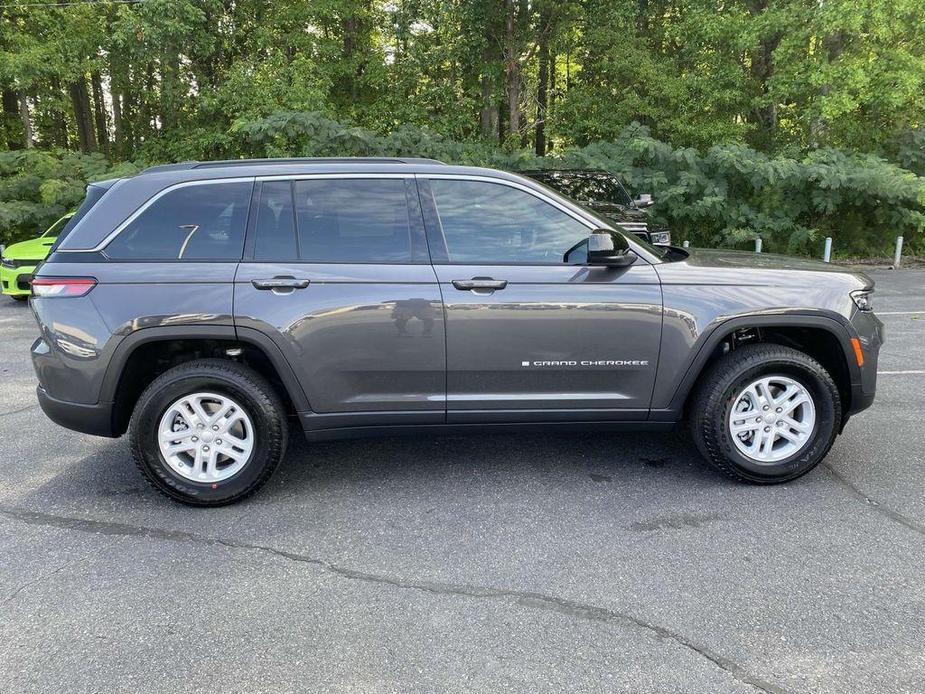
[[195, 438], [200, 426], [766, 407], [780, 424], [767, 428], [757, 419], [218, 442], [215, 426], [205, 448], [779, 410]]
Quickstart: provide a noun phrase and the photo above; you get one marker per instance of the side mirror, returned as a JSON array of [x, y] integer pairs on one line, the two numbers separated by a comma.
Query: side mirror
[[607, 248], [644, 200]]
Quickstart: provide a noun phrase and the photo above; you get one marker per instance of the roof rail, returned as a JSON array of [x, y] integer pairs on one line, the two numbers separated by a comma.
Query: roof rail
[[293, 160]]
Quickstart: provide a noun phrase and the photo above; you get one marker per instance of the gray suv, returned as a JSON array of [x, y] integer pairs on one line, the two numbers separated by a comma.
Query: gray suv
[[208, 308]]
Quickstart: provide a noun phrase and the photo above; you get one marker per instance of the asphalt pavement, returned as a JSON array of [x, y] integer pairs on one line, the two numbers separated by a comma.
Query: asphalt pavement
[[526, 563]]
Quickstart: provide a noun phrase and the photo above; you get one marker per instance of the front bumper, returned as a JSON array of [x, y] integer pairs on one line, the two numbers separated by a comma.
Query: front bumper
[[15, 281], [869, 331], [88, 419]]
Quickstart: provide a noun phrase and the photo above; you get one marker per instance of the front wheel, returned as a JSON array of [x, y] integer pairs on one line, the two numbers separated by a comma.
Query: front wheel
[[765, 413], [208, 432], [19, 297]]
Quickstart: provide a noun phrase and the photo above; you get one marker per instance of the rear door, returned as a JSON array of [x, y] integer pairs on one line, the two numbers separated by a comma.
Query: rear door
[[531, 335], [336, 272]]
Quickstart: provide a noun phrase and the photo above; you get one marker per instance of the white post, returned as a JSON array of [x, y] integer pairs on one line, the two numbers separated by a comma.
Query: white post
[[827, 252], [898, 253], [686, 244], [758, 245]]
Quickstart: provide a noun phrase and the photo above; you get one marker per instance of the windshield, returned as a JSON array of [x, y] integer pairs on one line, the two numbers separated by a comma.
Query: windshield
[[55, 228], [590, 187]]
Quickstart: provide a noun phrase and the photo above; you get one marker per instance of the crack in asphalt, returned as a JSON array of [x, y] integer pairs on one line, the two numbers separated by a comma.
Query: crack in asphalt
[[885, 511], [39, 579], [527, 599], [21, 409]]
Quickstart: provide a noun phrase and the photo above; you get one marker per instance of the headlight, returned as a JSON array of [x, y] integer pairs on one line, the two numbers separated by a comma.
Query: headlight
[[863, 299], [6, 262], [660, 238]]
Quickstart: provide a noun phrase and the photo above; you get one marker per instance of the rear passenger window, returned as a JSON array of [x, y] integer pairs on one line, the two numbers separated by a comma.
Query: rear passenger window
[[194, 222], [352, 220]]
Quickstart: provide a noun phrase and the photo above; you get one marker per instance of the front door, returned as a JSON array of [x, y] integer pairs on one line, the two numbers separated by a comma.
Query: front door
[[531, 335], [336, 271]]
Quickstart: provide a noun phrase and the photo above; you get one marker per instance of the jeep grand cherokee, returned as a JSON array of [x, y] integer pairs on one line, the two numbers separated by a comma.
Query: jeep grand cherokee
[[208, 308]]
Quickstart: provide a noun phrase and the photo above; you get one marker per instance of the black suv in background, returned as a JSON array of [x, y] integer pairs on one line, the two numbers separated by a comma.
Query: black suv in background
[[207, 309], [605, 193]]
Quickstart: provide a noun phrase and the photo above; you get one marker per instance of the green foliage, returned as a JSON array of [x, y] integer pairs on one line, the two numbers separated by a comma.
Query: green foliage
[[724, 196], [37, 187]]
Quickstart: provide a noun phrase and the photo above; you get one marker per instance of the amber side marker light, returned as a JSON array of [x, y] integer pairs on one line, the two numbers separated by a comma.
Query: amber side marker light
[[858, 354]]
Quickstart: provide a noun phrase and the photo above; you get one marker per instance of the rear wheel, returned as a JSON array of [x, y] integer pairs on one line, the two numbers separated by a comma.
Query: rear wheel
[[765, 413], [208, 432]]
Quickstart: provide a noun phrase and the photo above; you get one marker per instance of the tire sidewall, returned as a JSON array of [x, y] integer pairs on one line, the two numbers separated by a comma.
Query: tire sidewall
[[821, 438], [151, 411]]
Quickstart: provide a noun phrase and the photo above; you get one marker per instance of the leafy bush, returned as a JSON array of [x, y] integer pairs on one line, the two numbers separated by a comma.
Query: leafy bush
[[725, 196], [37, 187]]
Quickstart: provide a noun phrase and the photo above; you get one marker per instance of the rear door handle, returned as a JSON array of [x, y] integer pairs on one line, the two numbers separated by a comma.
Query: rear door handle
[[280, 283], [480, 283]]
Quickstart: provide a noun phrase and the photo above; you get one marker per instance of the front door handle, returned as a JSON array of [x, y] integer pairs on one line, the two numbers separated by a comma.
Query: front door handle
[[480, 283], [280, 283]]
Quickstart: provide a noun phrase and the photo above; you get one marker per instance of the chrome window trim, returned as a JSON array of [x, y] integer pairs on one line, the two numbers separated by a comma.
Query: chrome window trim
[[141, 210]]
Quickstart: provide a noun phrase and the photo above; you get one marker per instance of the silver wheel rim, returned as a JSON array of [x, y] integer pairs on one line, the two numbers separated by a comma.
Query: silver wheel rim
[[206, 437], [772, 419]]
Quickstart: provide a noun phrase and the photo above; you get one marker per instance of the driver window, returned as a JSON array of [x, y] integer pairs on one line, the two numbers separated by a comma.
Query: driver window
[[494, 223]]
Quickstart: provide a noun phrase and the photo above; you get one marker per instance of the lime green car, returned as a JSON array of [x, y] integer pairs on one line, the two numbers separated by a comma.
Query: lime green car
[[19, 260]]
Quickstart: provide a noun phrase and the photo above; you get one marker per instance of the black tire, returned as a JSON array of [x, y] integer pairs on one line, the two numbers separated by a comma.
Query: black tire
[[223, 377], [19, 297], [728, 376]]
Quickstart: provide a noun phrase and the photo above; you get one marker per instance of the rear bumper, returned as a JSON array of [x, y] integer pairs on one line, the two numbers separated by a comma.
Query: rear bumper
[[87, 419], [15, 281]]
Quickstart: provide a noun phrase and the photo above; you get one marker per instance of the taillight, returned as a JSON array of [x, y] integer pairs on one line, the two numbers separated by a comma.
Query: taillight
[[62, 286]]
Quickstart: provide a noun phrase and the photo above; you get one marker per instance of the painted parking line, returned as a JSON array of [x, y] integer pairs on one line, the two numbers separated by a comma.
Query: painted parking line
[[899, 313], [899, 373]]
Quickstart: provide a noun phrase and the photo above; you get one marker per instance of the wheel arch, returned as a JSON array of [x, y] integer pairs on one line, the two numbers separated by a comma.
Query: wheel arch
[[826, 338], [148, 352]]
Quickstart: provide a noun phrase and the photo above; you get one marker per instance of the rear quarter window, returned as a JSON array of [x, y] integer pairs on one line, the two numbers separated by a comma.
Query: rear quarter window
[[203, 221]]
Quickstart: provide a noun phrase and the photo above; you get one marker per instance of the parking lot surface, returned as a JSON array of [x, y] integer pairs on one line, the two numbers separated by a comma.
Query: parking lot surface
[[567, 562]]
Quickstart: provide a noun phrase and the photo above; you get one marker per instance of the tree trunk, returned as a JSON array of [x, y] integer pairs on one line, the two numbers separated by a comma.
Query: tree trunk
[[100, 113], [492, 58], [117, 127], [763, 116], [81, 101], [26, 121], [834, 44], [57, 133], [542, 96], [512, 69], [11, 122]]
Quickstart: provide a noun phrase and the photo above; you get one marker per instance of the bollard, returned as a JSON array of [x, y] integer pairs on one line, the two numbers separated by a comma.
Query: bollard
[[686, 244], [897, 254], [758, 245], [827, 252]]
